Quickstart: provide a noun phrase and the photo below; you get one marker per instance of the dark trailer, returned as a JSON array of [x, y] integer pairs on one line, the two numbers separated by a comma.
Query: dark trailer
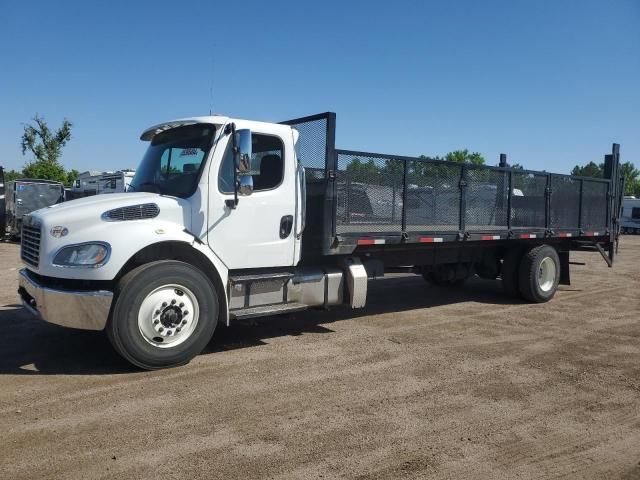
[[448, 221], [26, 195]]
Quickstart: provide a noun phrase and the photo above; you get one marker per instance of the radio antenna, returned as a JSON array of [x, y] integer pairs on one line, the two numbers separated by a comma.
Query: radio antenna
[[211, 85]]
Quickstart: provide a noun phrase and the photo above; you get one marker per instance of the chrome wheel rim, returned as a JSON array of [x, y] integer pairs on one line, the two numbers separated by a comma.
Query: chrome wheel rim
[[546, 274], [168, 316]]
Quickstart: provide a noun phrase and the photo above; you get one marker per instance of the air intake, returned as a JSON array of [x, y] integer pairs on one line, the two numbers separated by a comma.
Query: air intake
[[132, 212]]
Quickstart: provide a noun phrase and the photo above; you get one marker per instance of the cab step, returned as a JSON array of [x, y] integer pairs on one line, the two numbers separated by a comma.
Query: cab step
[[265, 310], [259, 277]]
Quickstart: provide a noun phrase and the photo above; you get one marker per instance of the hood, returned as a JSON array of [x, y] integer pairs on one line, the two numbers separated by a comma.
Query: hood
[[86, 211]]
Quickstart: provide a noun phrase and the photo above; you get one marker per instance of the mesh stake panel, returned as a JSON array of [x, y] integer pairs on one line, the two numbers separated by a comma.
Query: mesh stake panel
[[311, 147], [528, 200], [433, 196], [565, 202], [487, 199], [369, 194], [594, 205]]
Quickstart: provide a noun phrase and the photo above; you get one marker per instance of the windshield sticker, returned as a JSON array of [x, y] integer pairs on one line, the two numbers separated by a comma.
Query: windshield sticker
[[188, 152]]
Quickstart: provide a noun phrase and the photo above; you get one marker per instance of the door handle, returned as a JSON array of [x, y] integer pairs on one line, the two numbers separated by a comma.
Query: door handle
[[286, 224]]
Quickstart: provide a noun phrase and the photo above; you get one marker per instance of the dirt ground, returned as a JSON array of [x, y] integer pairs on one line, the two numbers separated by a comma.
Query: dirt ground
[[423, 383]]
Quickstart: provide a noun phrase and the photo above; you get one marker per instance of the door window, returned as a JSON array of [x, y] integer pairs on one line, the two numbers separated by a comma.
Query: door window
[[267, 157]]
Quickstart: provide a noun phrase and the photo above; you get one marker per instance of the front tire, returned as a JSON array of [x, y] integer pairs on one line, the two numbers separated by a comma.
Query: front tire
[[165, 313], [539, 274]]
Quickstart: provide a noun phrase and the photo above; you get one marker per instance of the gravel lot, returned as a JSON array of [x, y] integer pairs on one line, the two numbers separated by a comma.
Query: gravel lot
[[423, 383]]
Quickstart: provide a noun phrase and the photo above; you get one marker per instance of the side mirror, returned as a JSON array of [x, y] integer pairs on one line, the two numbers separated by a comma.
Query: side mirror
[[243, 162]]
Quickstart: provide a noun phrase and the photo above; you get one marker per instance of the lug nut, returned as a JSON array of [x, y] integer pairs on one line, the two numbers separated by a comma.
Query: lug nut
[[186, 312], [169, 332], [157, 312], [173, 302], [164, 304], [161, 329], [156, 321], [181, 304], [178, 330], [184, 322]]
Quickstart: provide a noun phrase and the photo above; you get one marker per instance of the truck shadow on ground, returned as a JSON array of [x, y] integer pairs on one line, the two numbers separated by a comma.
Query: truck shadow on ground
[[30, 346]]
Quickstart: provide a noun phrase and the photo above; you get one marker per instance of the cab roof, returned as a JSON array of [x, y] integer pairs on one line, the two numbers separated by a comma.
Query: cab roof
[[151, 132], [219, 120]]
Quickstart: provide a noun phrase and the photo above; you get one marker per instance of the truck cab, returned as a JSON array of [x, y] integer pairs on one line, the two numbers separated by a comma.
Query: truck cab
[[190, 215]]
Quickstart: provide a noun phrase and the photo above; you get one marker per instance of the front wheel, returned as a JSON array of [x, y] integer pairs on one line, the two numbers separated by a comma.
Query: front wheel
[[165, 313]]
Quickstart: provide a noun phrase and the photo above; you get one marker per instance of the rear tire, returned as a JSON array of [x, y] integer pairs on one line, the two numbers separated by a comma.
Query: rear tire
[[510, 278], [539, 274], [164, 314]]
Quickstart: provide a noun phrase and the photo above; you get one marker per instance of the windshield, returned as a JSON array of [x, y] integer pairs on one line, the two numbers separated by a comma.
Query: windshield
[[173, 161]]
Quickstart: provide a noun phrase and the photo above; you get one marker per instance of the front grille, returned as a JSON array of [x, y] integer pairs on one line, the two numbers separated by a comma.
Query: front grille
[[133, 212], [30, 244]]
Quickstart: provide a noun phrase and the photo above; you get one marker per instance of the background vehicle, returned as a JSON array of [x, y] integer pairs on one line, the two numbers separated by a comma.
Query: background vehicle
[[25, 195], [231, 219], [96, 183], [3, 212], [630, 218]]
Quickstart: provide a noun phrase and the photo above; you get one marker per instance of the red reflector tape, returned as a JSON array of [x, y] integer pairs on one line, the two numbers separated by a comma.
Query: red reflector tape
[[527, 235], [490, 237], [430, 240], [565, 234], [371, 241]]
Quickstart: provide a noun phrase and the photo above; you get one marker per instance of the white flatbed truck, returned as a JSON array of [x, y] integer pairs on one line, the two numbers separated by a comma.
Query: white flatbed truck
[[229, 219]]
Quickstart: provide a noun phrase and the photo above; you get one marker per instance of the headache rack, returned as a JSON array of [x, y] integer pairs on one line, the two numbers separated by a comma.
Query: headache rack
[[361, 198]]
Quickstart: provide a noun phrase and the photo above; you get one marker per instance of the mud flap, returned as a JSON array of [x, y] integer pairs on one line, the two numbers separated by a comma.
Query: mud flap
[[565, 276]]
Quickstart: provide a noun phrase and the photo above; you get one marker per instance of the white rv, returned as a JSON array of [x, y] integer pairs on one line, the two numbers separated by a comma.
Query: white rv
[[630, 219], [96, 183]]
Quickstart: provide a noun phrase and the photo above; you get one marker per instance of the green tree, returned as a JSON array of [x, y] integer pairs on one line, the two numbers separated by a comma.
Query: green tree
[[393, 168], [591, 169], [72, 176], [10, 175], [45, 170], [46, 147], [359, 171], [464, 156]]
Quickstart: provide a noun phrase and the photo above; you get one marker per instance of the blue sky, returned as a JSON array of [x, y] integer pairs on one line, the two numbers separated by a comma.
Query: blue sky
[[551, 83]]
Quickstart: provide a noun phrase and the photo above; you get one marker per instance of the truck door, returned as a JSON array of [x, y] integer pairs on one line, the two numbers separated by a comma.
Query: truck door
[[259, 232]]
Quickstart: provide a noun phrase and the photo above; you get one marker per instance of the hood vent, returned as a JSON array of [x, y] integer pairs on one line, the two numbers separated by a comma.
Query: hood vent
[[132, 212]]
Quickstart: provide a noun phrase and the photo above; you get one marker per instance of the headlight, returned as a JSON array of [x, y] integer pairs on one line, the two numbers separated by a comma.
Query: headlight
[[91, 255]]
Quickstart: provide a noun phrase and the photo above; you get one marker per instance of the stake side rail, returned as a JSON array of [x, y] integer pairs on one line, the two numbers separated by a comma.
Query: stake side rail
[[393, 199]]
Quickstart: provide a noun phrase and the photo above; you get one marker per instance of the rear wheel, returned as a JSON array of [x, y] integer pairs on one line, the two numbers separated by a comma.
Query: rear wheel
[[164, 314], [539, 274]]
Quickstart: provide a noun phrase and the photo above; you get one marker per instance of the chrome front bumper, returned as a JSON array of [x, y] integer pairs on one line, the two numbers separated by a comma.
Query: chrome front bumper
[[88, 310]]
